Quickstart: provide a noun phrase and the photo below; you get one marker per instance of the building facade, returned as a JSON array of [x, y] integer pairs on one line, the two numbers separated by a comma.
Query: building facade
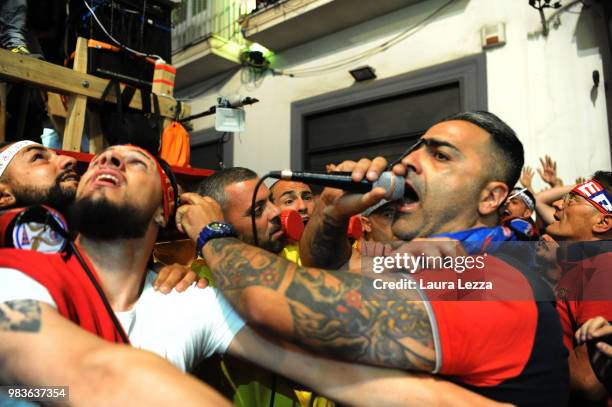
[[431, 58]]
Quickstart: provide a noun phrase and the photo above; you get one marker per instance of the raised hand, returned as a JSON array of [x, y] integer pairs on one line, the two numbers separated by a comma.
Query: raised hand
[[548, 173], [526, 178]]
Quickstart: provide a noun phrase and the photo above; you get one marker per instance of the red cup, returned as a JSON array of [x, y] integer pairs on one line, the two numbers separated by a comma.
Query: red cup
[[292, 224]]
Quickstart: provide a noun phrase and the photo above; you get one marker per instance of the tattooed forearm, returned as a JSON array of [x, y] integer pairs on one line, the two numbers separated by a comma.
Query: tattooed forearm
[[337, 313], [325, 243], [20, 316]]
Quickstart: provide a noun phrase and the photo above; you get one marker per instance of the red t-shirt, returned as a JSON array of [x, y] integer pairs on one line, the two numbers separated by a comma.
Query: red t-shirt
[[72, 290], [500, 341], [486, 335], [585, 286]]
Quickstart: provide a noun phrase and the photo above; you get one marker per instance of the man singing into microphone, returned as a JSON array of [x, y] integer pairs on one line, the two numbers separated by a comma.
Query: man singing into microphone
[[456, 179], [39, 296]]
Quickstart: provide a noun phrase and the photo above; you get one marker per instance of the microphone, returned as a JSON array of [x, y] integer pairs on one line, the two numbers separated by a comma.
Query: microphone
[[391, 183]]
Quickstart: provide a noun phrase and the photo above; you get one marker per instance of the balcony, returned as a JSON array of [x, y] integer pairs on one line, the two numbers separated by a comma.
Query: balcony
[[206, 38], [293, 22]]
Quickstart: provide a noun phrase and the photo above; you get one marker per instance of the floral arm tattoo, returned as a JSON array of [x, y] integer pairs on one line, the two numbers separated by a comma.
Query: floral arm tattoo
[[337, 313], [20, 316], [329, 247]]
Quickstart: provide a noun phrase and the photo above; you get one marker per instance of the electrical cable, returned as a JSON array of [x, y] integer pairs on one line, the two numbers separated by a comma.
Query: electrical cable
[[563, 9], [96, 285], [339, 64], [220, 142], [142, 23], [253, 202], [120, 45]]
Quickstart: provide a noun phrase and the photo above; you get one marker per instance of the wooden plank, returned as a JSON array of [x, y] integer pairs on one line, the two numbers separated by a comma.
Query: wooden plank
[[2, 111], [77, 105], [55, 107], [96, 138], [56, 111], [57, 78]]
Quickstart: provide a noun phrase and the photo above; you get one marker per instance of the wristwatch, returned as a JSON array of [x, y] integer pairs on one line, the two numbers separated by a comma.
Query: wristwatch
[[214, 230]]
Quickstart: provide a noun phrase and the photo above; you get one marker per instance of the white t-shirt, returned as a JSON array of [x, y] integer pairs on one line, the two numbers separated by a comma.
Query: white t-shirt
[[183, 327]]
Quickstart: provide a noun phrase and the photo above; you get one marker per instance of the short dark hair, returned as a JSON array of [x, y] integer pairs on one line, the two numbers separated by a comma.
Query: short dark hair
[[508, 155], [530, 195], [214, 185], [605, 179]]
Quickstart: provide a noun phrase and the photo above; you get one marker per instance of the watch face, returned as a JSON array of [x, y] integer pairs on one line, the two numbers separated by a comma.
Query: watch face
[[220, 228], [216, 226]]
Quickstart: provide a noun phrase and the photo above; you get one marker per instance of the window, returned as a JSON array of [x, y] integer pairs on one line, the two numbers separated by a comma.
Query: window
[[381, 127], [207, 149], [383, 117]]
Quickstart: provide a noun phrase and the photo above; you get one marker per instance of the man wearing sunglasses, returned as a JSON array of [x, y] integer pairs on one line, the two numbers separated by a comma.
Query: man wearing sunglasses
[[583, 227]]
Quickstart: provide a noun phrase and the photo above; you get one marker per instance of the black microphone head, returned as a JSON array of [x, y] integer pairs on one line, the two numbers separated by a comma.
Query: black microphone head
[[393, 184]]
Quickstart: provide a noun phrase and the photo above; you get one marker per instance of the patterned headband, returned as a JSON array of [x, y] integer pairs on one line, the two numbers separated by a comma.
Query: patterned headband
[[520, 193], [596, 195]]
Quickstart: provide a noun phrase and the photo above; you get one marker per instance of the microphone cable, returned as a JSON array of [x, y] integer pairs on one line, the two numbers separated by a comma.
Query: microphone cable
[[253, 202]]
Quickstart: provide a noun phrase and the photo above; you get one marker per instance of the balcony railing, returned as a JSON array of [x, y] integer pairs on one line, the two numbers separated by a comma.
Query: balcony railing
[[197, 20]]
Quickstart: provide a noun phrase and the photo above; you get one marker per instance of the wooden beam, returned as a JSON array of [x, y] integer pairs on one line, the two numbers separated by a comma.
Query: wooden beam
[[63, 80], [77, 104], [2, 111], [96, 138]]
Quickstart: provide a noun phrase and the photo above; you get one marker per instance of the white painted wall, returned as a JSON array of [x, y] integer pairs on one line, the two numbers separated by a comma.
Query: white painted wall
[[541, 86]]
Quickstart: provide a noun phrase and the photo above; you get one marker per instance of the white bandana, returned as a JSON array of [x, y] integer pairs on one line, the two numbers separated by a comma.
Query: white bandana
[[8, 154]]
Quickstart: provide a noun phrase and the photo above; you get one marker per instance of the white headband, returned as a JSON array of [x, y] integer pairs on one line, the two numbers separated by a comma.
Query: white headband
[[8, 154], [524, 197]]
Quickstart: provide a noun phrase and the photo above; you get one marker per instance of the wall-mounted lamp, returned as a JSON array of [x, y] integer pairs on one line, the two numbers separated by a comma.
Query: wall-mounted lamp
[[363, 74]]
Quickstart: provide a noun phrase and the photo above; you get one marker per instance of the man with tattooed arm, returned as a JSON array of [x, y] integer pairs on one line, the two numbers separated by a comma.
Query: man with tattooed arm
[[58, 323], [457, 177]]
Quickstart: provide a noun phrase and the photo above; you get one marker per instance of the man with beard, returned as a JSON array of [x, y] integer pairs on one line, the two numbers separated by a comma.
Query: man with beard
[[233, 189], [38, 303], [32, 174], [457, 177], [293, 195], [582, 227], [48, 290], [296, 196]]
